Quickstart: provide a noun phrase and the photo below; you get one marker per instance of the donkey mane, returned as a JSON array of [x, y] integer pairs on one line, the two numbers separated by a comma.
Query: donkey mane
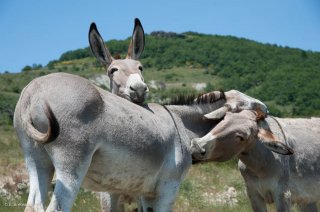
[[183, 99]]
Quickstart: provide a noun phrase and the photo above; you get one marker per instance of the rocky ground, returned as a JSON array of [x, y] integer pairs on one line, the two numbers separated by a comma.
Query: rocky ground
[[14, 183]]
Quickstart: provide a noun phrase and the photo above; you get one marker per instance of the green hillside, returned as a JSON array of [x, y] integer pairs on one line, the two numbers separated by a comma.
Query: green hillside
[[286, 79]]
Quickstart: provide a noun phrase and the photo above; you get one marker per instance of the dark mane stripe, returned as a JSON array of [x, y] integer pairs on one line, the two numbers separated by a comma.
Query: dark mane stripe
[[197, 98]]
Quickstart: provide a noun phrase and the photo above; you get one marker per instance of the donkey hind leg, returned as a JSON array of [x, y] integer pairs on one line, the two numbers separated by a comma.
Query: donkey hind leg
[[71, 169], [312, 207], [165, 197], [40, 169]]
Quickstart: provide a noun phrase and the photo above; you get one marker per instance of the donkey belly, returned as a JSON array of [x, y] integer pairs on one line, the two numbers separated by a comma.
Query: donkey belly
[[119, 170]]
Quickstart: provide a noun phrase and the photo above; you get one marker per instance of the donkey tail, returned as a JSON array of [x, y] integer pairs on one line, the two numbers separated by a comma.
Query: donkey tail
[[52, 131]]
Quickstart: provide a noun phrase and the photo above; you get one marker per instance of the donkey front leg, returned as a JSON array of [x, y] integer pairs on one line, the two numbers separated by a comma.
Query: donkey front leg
[[282, 200], [165, 197], [257, 202], [311, 207], [71, 168]]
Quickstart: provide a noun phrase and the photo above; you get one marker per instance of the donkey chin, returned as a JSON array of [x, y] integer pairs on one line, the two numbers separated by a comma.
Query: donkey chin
[[134, 96], [198, 153]]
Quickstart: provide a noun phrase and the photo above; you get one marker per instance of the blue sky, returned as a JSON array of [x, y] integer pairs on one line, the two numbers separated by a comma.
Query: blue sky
[[37, 31]]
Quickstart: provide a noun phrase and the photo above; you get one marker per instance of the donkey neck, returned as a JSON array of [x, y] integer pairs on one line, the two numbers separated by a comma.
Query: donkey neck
[[252, 157], [190, 118]]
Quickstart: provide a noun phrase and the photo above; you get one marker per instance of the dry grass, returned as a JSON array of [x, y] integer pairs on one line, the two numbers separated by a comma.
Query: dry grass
[[212, 187]]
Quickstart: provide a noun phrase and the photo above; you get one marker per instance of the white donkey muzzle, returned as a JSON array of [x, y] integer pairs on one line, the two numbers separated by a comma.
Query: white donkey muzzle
[[136, 89]]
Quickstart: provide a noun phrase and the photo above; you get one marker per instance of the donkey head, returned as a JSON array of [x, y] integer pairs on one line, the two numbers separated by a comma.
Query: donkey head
[[125, 74], [236, 133]]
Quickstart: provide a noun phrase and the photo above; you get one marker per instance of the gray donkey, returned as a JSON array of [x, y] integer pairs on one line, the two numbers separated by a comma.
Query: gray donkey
[[93, 138], [269, 177], [126, 80]]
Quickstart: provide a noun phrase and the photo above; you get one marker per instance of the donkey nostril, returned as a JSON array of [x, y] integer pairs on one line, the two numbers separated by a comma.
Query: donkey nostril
[[203, 152], [146, 88], [131, 88]]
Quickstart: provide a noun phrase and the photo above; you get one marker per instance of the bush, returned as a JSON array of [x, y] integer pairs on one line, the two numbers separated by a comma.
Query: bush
[[27, 68]]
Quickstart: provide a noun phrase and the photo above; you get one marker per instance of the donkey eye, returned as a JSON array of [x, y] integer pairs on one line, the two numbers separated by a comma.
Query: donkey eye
[[113, 70], [240, 137], [140, 68]]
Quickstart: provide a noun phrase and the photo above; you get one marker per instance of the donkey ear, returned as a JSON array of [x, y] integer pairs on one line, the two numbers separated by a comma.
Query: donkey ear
[[270, 141], [137, 41], [97, 46], [217, 114]]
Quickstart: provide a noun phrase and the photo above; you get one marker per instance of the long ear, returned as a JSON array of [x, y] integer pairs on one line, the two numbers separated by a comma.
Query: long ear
[[270, 141], [97, 46], [137, 41], [217, 114]]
